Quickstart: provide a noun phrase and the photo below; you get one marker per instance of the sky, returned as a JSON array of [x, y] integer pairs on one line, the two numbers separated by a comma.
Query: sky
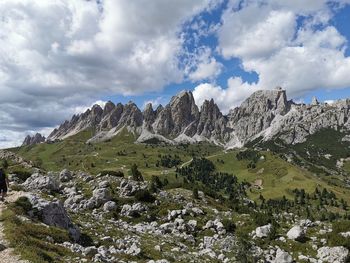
[[59, 57]]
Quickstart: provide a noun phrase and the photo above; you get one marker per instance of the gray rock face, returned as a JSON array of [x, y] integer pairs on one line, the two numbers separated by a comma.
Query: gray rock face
[[90, 118], [257, 113], [263, 231], [129, 187], [179, 116], [149, 115], [333, 254], [133, 210], [35, 139], [296, 233], [65, 175], [283, 257], [101, 195], [266, 113], [211, 122], [314, 101], [52, 213], [40, 182], [110, 206]]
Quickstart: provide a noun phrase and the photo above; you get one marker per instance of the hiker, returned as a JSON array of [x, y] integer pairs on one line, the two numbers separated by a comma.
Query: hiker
[[4, 184]]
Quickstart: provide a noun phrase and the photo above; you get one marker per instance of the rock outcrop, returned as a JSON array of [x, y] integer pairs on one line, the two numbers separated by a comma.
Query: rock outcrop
[[333, 254], [39, 182], [296, 233], [53, 213], [266, 114], [35, 139]]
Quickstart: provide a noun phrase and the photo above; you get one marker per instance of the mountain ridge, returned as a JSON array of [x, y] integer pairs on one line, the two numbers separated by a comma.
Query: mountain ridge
[[266, 113]]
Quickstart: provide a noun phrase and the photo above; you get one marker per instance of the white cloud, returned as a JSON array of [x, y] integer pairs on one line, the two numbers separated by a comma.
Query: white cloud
[[255, 32], [225, 98], [59, 55], [80, 109], [266, 37], [206, 66]]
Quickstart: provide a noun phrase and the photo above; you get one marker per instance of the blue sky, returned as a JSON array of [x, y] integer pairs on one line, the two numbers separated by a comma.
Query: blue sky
[[233, 66], [59, 57]]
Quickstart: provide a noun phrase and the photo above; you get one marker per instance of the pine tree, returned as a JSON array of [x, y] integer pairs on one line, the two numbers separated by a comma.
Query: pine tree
[[195, 194]]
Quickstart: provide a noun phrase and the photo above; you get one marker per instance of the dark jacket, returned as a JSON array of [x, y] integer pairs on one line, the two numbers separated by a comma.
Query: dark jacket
[[2, 178]]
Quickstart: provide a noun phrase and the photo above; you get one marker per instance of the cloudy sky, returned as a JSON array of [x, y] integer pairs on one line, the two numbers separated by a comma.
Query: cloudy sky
[[58, 57]]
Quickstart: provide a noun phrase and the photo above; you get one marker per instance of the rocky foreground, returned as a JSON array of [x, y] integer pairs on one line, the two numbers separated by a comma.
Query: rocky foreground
[[109, 221]]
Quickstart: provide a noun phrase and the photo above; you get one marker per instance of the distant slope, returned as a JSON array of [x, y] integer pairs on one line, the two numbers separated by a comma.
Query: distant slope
[[276, 176], [266, 113]]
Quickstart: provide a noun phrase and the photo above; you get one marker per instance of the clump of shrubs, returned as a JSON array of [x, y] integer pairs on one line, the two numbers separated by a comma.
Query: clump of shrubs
[[144, 196], [229, 225], [136, 174], [22, 205], [22, 175], [112, 173]]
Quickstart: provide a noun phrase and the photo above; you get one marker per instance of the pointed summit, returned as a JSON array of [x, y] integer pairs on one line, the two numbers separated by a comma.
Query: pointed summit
[[314, 101], [36, 139]]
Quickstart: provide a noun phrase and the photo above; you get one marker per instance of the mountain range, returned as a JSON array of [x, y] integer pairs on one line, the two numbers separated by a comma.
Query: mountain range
[[265, 115]]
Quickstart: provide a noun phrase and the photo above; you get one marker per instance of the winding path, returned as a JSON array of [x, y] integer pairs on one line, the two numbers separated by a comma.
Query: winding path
[[7, 254]]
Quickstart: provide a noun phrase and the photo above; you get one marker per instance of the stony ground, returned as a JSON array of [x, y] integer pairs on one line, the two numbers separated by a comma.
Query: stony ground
[[118, 225], [7, 254]]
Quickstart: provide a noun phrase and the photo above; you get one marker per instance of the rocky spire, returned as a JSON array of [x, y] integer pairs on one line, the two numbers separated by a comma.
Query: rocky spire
[[314, 101], [35, 139], [177, 115]]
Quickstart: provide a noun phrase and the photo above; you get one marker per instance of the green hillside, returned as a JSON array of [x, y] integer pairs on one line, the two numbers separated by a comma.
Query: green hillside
[[271, 175]]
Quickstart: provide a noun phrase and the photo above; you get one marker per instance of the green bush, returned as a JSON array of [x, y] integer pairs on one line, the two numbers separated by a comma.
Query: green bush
[[195, 194], [144, 196], [23, 202], [136, 174], [261, 219], [335, 239], [229, 225], [112, 173], [22, 175]]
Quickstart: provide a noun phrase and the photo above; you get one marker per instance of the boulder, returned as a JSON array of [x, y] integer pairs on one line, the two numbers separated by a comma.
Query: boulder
[[70, 202], [192, 225], [53, 213], [90, 251], [263, 231], [133, 210], [41, 182], [133, 250], [101, 195], [129, 187], [65, 176], [345, 234], [110, 206], [296, 233], [333, 254], [283, 257]]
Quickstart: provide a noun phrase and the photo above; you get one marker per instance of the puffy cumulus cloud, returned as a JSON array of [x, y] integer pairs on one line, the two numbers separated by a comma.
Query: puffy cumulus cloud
[[205, 66], [287, 43], [60, 55], [226, 98], [255, 32]]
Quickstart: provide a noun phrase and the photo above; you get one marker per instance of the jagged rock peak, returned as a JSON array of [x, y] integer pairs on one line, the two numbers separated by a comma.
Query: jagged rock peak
[[266, 113], [109, 106], [96, 110], [314, 101], [35, 139], [177, 116], [266, 100], [148, 107]]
